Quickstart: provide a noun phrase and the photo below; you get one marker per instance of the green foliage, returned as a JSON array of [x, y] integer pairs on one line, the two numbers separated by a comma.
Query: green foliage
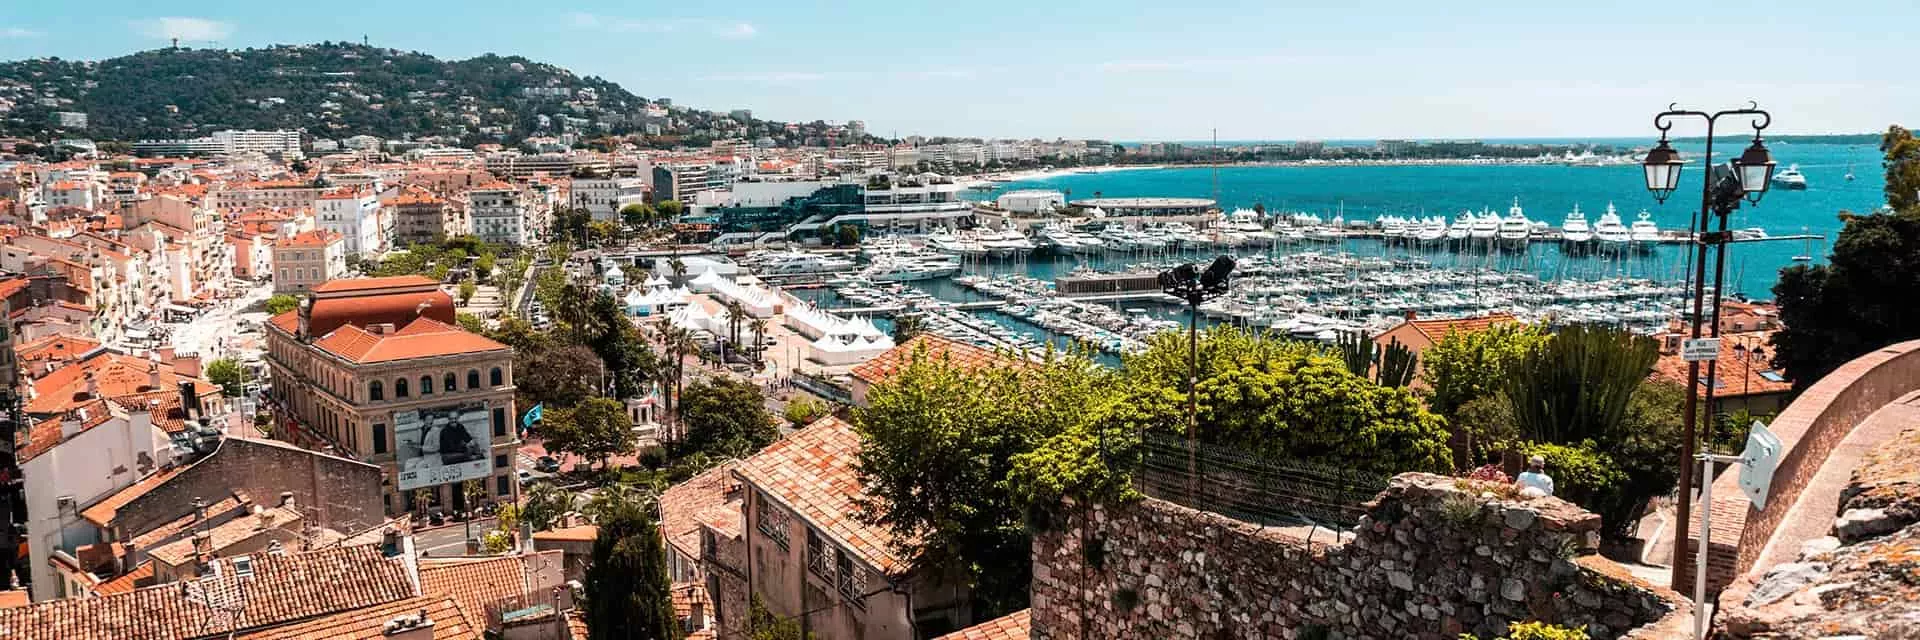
[[1481, 425], [802, 411], [1285, 400], [467, 290], [1536, 631], [669, 210], [908, 325], [1581, 474], [507, 518], [471, 323], [282, 303], [1576, 386], [496, 542], [1902, 163], [637, 214], [545, 504], [628, 595], [1395, 365], [725, 418], [1464, 365], [954, 458], [764, 625], [1861, 300], [595, 429], [226, 373], [1357, 350]]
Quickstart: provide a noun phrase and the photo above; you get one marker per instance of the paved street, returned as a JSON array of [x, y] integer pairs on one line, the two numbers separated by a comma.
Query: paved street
[[216, 332], [450, 540]]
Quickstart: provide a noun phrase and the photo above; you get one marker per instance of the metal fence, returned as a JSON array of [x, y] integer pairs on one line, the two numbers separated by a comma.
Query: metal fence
[[1252, 488]]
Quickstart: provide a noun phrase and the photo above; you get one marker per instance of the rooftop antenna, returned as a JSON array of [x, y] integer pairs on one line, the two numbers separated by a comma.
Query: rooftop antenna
[[363, 39], [176, 44]]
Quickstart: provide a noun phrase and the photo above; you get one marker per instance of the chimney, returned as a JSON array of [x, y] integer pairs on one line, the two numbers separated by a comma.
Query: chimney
[[305, 311], [93, 386], [286, 500], [153, 373], [189, 401], [409, 627], [1412, 315]]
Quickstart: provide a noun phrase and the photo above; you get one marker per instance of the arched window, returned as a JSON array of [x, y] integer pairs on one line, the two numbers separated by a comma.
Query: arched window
[[400, 388], [426, 385], [374, 392], [496, 378], [449, 385], [473, 378]]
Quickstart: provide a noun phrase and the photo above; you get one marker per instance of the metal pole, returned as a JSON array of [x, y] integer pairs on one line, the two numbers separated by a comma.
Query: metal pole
[[1689, 426], [1193, 401], [1700, 614], [1719, 276]]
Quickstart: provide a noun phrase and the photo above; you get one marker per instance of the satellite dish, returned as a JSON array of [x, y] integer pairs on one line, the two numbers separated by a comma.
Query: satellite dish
[[1758, 462]]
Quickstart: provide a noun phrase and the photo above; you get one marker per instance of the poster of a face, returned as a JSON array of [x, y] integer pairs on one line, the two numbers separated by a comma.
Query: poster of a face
[[441, 445]]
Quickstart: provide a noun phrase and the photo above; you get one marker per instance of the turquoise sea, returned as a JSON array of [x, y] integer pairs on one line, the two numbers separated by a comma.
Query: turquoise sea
[[1547, 192]]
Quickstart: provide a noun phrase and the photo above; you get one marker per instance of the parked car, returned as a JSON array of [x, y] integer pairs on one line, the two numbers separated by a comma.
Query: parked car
[[548, 464], [525, 477]]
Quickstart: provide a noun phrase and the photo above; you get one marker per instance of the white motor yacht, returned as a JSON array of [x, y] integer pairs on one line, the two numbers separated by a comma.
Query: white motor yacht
[[1333, 231], [789, 263], [1792, 179], [1431, 230], [1575, 229], [1515, 228], [1644, 231], [908, 269], [1004, 243], [1486, 226], [1462, 226], [1610, 232], [948, 242]]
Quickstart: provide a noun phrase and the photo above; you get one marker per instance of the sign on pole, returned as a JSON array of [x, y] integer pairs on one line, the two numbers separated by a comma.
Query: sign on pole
[[1758, 461], [1700, 349]]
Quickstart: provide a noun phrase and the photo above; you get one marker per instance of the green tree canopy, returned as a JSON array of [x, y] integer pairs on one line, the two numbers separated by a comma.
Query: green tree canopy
[[226, 373], [1575, 386], [1466, 365], [595, 429], [725, 417], [1286, 400], [282, 303], [628, 593], [545, 504]]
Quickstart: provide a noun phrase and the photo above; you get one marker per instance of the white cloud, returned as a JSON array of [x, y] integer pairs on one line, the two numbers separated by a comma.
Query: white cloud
[[188, 29], [18, 32], [717, 28]]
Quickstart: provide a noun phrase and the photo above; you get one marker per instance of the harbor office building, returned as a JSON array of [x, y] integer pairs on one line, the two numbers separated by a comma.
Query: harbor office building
[[375, 369], [760, 211]]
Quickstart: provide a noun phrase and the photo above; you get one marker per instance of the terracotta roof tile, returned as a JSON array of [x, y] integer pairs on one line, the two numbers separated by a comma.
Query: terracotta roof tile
[[450, 622], [1737, 374], [314, 238], [811, 471], [422, 338], [125, 583], [20, 598], [102, 513], [485, 587], [682, 504], [1436, 329], [365, 284], [1013, 626], [960, 354], [280, 589], [270, 522], [166, 532], [582, 533]]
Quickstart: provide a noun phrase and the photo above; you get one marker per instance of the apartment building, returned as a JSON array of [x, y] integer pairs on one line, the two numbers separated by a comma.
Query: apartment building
[[498, 212], [307, 260], [354, 213]]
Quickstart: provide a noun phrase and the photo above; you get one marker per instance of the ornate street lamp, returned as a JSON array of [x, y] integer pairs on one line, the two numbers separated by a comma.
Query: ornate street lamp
[[1755, 169], [1663, 165]]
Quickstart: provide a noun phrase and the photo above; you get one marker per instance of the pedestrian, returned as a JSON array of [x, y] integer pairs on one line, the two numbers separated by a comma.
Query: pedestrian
[[1534, 482]]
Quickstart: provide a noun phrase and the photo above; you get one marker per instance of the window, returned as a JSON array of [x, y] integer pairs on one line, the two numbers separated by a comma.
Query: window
[[774, 521], [819, 558], [502, 485], [853, 581], [500, 461], [379, 437], [499, 422], [426, 385], [400, 388], [449, 385], [374, 392], [495, 378], [473, 378]]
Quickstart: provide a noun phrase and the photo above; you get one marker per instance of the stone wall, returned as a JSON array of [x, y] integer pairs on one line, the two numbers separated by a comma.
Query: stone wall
[[1433, 558], [336, 493]]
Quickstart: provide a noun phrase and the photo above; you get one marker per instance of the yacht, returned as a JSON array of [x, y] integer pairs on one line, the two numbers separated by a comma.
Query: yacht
[[1004, 243], [1609, 232], [883, 246], [1333, 231], [1485, 226], [947, 242], [1462, 226], [1249, 225], [790, 263], [1515, 228], [1791, 179], [1575, 230], [1645, 232], [1432, 230], [908, 269], [1061, 239], [1391, 227]]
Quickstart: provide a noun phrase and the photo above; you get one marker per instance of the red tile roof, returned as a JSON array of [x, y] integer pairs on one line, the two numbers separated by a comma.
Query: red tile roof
[[368, 284], [1013, 626], [20, 598], [959, 354], [582, 533], [102, 513], [484, 587], [422, 338], [1436, 329], [59, 347], [450, 622], [125, 583], [811, 472], [46, 434], [1737, 374], [226, 534], [682, 504], [280, 589], [314, 238], [114, 375]]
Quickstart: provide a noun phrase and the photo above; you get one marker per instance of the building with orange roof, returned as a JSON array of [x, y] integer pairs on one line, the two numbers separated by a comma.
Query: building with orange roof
[[1417, 335], [421, 216], [1744, 376], [926, 345], [86, 194], [304, 261], [283, 194], [42, 356], [1013, 626], [377, 370], [490, 587], [812, 550], [502, 213]]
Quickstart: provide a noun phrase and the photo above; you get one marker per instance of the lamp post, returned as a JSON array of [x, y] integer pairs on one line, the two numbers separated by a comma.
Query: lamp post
[[1188, 283], [1720, 194]]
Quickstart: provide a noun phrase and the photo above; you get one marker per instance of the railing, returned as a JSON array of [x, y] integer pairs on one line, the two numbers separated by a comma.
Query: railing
[[1252, 488]]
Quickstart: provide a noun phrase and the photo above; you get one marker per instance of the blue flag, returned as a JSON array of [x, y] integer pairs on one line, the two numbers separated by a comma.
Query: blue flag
[[533, 415]]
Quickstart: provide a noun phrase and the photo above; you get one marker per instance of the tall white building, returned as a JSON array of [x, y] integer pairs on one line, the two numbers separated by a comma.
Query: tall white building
[[285, 144], [499, 215], [604, 197], [354, 213]]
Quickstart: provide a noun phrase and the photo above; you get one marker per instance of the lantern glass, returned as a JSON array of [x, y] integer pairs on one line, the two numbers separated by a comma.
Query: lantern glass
[[1662, 166], [1755, 169]]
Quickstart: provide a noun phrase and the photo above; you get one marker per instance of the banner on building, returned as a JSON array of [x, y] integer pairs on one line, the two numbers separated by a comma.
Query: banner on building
[[441, 445]]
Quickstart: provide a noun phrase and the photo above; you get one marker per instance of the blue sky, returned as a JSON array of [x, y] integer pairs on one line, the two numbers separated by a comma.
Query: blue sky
[[1123, 69]]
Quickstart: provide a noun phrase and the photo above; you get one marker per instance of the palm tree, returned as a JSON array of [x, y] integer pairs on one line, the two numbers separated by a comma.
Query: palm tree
[[679, 270], [735, 311], [759, 339]]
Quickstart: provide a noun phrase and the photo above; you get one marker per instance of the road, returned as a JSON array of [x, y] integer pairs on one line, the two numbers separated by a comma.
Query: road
[[450, 541]]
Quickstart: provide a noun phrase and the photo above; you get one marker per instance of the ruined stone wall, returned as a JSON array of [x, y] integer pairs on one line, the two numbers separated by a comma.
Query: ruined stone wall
[[1433, 558]]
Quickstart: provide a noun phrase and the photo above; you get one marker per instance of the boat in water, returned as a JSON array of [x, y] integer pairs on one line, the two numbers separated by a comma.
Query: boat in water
[[908, 268], [1486, 226], [1462, 226], [1515, 228], [1644, 232], [794, 263], [1609, 231], [1574, 230], [1792, 179], [1432, 230], [949, 242]]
